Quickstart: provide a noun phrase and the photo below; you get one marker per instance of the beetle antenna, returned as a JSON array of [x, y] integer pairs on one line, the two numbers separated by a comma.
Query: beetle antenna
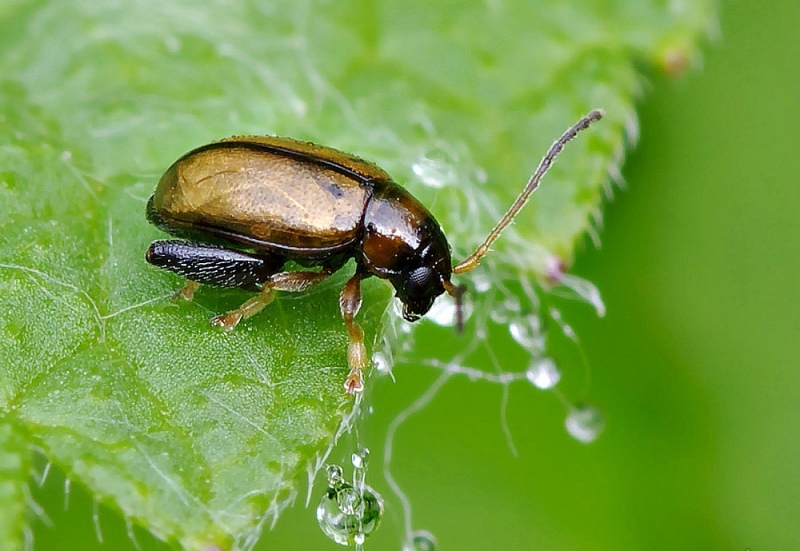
[[474, 259]]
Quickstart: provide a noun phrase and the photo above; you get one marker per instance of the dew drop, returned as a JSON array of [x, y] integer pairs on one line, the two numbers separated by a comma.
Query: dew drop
[[585, 423], [348, 516], [481, 283], [586, 290], [348, 513], [349, 501], [360, 458], [434, 170], [543, 373], [298, 106], [360, 461], [335, 475], [512, 304], [555, 315], [498, 315], [421, 540], [526, 330]]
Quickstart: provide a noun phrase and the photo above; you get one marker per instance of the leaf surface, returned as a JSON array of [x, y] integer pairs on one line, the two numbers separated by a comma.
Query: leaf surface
[[197, 434]]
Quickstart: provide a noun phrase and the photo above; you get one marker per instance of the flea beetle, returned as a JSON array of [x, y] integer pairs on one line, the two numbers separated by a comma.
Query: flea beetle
[[245, 206]]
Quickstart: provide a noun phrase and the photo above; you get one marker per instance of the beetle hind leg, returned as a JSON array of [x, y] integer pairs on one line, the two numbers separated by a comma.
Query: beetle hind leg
[[186, 292], [250, 308], [205, 264], [282, 281]]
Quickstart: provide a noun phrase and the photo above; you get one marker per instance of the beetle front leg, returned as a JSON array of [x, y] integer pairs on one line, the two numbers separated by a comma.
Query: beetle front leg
[[350, 302], [282, 281]]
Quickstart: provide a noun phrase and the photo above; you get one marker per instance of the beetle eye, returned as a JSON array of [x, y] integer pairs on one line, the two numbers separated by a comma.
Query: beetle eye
[[419, 278]]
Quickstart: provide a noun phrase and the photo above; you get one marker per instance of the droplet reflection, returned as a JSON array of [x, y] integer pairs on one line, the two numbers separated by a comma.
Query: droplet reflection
[[526, 330], [348, 513], [421, 540], [543, 373], [585, 423], [436, 169], [360, 458], [347, 516]]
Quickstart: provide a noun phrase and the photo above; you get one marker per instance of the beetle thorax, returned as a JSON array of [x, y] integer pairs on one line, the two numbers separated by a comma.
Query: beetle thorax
[[403, 243]]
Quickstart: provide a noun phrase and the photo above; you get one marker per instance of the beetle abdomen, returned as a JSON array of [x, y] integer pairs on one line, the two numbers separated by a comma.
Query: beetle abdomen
[[268, 193]]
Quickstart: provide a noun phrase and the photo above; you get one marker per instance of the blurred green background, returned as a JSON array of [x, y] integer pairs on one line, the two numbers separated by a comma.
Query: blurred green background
[[694, 366]]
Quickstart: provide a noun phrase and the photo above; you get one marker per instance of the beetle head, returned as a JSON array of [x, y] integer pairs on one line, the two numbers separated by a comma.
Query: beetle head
[[404, 244], [418, 287]]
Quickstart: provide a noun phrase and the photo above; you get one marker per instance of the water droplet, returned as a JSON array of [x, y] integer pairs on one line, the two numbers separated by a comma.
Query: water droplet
[[335, 475], [481, 282], [586, 290], [299, 106], [526, 330], [512, 304], [421, 540], [349, 501], [543, 373], [348, 516], [498, 315], [585, 423], [360, 458], [558, 319], [435, 169]]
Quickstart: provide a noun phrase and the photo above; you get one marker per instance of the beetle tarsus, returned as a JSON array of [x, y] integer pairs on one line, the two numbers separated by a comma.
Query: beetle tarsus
[[354, 382], [357, 361], [227, 321]]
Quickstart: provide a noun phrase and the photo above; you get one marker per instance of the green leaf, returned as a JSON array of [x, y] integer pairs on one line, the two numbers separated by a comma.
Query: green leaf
[[200, 435], [14, 468]]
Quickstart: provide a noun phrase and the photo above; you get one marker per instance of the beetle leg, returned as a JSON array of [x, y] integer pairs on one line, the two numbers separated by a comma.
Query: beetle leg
[[186, 292], [250, 308], [296, 282], [282, 281], [350, 302], [201, 263]]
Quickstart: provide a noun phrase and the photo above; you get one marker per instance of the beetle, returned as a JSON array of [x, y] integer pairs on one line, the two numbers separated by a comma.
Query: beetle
[[245, 206]]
